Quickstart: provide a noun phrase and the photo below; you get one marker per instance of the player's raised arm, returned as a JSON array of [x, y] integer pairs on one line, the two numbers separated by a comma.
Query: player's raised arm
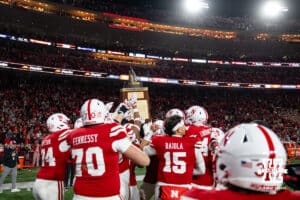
[[138, 156]]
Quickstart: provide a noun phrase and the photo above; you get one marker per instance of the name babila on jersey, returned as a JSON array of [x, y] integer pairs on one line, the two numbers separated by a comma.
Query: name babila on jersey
[[173, 145]]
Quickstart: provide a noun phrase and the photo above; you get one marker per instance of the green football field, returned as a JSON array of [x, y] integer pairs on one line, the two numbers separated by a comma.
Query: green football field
[[29, 175], [26, 175]]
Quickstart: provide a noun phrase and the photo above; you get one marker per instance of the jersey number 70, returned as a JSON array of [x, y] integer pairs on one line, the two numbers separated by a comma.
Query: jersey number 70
[[93, 169]]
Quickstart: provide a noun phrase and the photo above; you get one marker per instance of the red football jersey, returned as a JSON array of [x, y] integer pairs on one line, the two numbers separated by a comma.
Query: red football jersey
[[54, 152], [130, 131], [132, 181], [95, 152], [176, 159], [233, 195], [123, 161], [203, 133]]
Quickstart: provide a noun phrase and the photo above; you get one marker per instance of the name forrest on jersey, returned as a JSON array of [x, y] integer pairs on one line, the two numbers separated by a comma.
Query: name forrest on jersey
[[173, 145], [85, 139]]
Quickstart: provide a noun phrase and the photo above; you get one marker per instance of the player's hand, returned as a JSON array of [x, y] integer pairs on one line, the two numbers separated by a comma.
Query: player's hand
[[122, 110], [132, 101]]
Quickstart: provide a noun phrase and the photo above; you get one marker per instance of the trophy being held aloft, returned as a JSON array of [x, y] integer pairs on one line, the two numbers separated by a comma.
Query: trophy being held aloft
[[137, 95], [133, 83]]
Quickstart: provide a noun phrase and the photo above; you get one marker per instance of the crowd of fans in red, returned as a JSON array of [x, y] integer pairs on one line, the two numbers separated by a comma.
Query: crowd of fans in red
[[28, 98]]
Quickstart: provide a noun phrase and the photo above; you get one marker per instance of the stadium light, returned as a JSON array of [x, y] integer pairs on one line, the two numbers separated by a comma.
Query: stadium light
[[194, 6], [273, 9]]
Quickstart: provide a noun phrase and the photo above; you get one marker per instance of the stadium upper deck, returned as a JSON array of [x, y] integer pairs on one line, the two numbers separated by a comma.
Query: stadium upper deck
[[63, 26]]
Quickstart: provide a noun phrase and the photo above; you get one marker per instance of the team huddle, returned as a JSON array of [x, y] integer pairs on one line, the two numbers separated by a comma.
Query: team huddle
[[184, 157]]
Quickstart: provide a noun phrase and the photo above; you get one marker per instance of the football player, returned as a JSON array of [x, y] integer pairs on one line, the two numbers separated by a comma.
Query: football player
[[178, 158], [126, 166], [95, 151], [49, 183], [251, 163], [134, 191], [196, 119], [148, 186]]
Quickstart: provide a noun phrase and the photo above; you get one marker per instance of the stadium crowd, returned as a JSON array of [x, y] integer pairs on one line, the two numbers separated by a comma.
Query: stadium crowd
[[80, 60], [27, 100]]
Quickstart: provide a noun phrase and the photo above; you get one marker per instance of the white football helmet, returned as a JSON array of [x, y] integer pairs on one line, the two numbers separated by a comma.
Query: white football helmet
[[159, 127], [78, 123], [175, 111], [251, 156], [93, 111], [57, 122], [196, 115]]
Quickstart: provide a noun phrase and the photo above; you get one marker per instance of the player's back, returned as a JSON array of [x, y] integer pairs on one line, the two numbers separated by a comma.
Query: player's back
[[54, 156], [176, 156], [203, 133], [196, 194], [96, 159]]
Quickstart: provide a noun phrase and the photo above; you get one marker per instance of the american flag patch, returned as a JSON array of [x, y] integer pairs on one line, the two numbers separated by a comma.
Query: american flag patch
[[246, 164]]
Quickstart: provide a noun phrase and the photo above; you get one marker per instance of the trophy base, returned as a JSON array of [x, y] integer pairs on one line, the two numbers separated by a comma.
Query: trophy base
[[142, 94], [135, 84]]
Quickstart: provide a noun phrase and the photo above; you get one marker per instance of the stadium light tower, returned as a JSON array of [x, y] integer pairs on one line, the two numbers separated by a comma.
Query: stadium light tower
[[194, 6], [273, 9]]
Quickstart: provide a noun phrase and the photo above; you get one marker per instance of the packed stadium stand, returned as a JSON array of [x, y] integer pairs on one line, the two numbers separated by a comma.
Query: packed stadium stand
[[28, 98], [71, 59]]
